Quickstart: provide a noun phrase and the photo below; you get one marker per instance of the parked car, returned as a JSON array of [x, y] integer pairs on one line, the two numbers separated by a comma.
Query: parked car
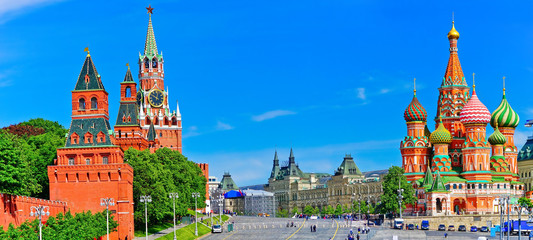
[[473, 229], [484, 229], [216, 229], [451, 228], [410, 226], [442, 227], [398, 223], [424, 225], [461, 228]]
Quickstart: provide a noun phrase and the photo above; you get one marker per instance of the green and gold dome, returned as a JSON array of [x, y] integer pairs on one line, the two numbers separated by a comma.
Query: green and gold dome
[[441, 135], [497, 138], [504, 115]]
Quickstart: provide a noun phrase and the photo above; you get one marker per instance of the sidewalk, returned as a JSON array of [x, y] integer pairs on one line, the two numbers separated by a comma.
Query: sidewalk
[[160, 233]]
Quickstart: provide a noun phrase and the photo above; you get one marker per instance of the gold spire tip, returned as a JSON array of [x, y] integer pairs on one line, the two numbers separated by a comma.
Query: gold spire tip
[[87, 50], [474, 81], [503, 85], [414, 90], [128, 65]]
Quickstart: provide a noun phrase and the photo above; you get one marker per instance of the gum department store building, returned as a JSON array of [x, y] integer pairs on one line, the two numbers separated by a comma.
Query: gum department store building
[[456, 169]]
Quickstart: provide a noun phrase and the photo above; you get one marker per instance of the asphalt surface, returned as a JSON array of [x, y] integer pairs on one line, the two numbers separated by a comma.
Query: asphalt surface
[[258, 228]]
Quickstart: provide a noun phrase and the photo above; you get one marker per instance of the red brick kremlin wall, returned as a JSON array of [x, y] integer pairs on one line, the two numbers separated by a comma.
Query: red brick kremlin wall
[[16, 209]]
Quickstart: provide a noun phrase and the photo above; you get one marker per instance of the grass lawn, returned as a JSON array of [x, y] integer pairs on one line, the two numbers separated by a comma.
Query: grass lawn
[[187, 233], [152, 229]]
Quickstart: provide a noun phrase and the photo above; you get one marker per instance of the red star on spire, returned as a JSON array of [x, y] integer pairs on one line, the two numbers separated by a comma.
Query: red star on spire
[[150, 9]]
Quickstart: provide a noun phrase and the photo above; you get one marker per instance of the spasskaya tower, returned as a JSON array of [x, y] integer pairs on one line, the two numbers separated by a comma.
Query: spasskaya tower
[[160, 125]]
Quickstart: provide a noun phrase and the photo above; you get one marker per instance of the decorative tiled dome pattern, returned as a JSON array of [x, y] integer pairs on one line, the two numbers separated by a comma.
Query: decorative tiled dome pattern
[[504, 115], [427, 133], [497, 138], [474, 111], [441, 135], [415, 111]]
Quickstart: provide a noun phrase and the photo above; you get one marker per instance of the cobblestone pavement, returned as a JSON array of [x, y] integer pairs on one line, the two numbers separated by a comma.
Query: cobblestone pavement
[[258, 228]]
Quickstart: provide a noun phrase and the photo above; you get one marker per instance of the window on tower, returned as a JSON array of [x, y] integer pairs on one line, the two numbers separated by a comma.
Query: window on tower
[[94, 103], [105, 160], [127, 92], [82, 104], [88, 161], [146, 63], [154, 63], [71, 161]]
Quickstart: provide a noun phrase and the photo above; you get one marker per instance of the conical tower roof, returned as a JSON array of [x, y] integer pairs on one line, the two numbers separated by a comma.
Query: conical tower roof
[[454, 72], [128, 77], [89, 79], [438, 184], [150, 47], [428, 178], [151, 136]]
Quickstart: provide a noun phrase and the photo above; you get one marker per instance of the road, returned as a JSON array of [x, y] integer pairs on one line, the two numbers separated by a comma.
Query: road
[[259, 228]]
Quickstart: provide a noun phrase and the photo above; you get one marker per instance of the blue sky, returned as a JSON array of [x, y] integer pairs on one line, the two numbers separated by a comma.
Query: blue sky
[[325, 77]]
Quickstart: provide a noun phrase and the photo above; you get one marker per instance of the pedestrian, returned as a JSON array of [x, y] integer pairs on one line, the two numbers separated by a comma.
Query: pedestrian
[[314, 228], [445, 235], [358, 236], [311, 228]]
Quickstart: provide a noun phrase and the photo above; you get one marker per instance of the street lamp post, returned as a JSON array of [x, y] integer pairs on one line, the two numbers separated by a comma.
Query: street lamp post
[[520, 220], [400, 191], [40, 211], [220, 204], [174, 195], [195, 195], [501, 202], [368, 212], [107, 202], [146, 199], [508, 200], [211, 209]]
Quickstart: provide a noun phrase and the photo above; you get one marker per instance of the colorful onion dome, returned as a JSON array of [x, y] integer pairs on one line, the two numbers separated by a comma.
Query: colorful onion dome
[[504, 115], [474, 111], [441, 135], [415, 111], [453, 34], [497, 138], [427, 133]]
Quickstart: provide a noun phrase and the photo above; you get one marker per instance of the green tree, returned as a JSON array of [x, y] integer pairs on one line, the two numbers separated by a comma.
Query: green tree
[[338, 210], [294, 210], [82, 226], [330, 210], [282, 213], [16, 175], [308, 210], [525, 202], [389, 199], [158, 174], [316, 211]]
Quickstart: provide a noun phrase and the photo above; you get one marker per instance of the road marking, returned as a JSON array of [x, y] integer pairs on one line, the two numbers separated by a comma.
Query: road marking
[[335, 234], [296, 230], [229, 235]]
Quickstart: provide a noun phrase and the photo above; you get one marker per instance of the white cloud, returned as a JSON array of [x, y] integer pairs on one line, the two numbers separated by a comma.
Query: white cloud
[[223, 126], [10, 7], [520, 138], [3, 81], [361, 93], [192, 131], [384, 90], [271, 115]]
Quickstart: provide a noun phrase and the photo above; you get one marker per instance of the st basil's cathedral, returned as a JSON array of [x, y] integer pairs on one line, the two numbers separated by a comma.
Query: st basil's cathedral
[[456, 169]]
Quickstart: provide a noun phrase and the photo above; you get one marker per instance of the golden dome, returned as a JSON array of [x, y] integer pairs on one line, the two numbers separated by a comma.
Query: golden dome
[[453, 34]]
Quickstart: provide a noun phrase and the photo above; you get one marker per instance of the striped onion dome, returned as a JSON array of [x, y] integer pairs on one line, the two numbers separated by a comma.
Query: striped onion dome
[[497, 138], [474, 111], [415, 111], [441, 135], [504, 115]]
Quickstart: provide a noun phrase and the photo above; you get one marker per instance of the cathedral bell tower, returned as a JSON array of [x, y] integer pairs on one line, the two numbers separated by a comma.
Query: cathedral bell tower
[[152, 99]]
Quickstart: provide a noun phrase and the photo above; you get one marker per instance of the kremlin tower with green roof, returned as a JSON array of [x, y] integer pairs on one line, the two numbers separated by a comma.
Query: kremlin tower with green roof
[[456, 169]]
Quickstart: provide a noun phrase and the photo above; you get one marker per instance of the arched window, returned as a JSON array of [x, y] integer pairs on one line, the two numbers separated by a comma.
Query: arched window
[[105, 160], [154, 63], [94, 103], [88, 161], [71, 161], [455, 186], [82, 104], [127, 92], [146, 63]]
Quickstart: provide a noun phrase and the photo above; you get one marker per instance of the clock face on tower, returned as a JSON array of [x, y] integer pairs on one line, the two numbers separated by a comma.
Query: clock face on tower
[[156, 98], [139, 98]]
